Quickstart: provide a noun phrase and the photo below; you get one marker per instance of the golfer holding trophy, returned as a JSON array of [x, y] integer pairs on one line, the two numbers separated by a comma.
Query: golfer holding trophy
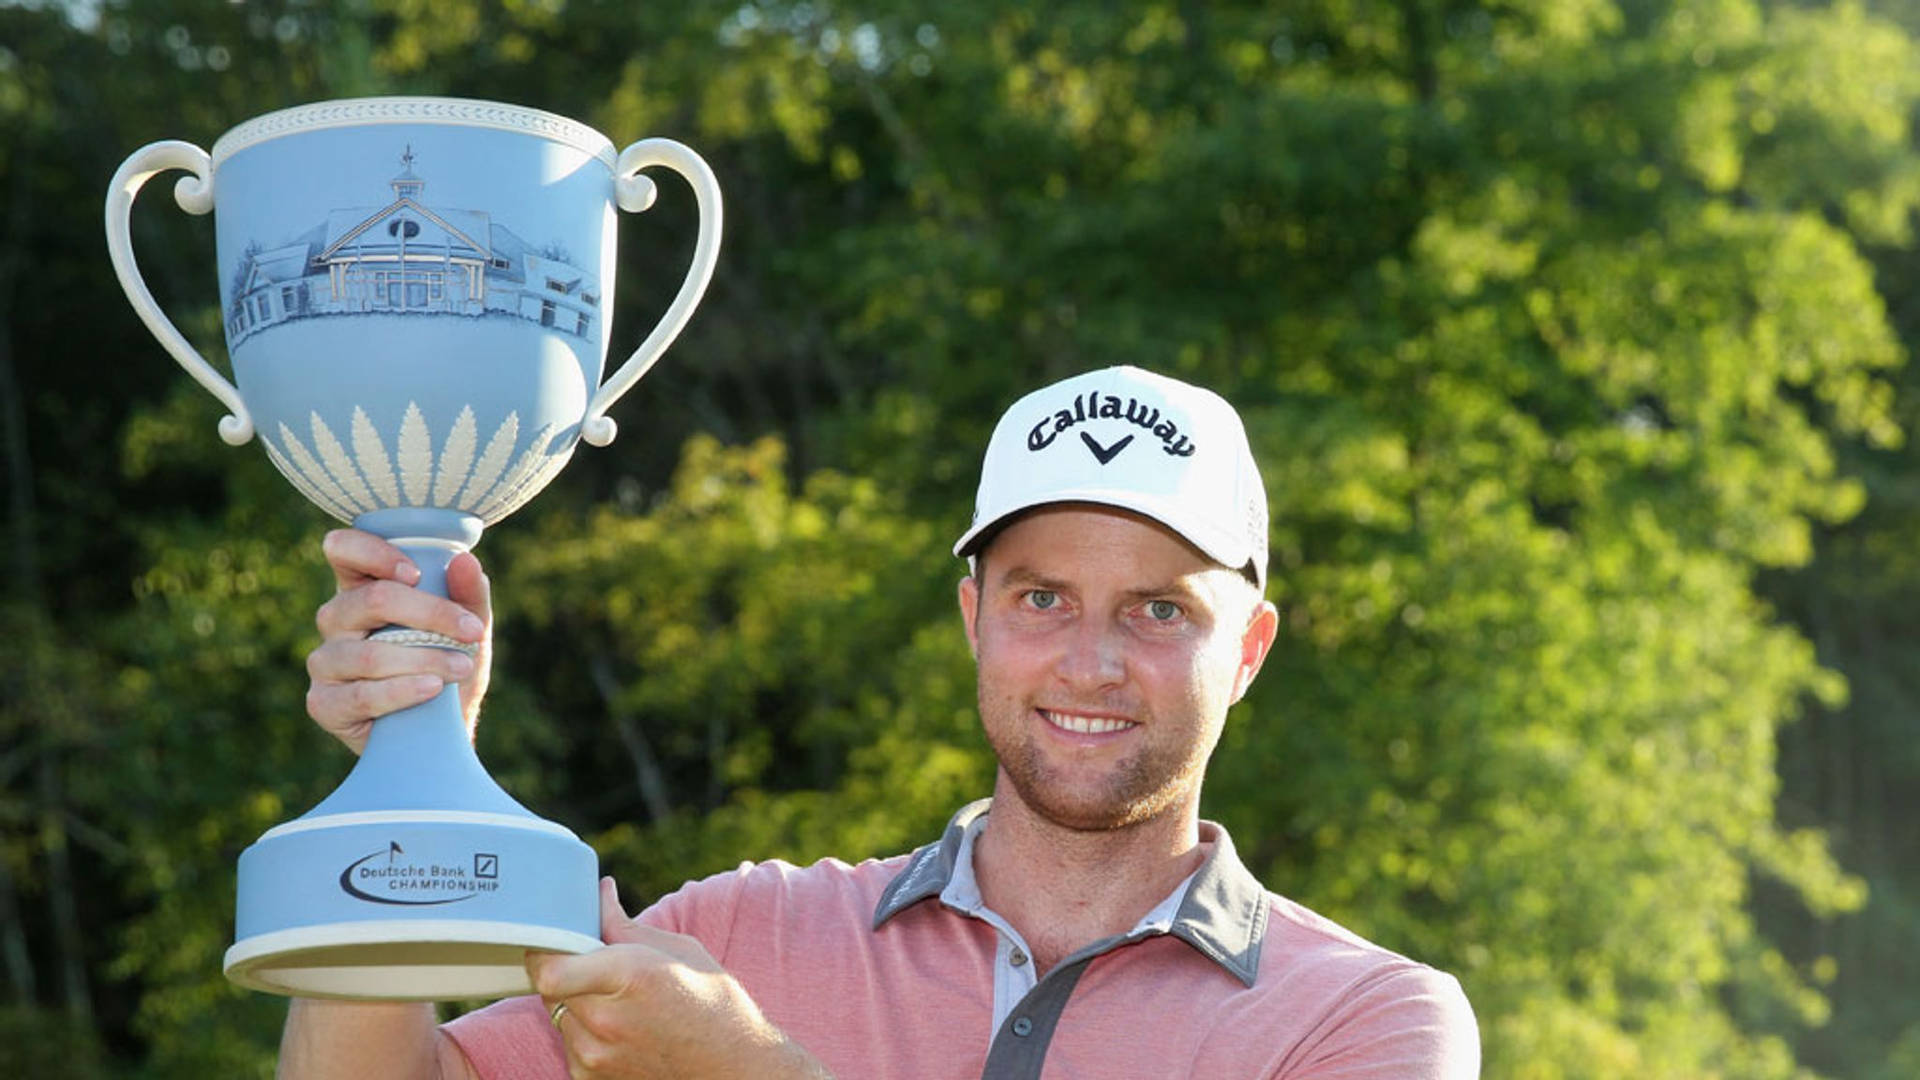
[[419, 363]]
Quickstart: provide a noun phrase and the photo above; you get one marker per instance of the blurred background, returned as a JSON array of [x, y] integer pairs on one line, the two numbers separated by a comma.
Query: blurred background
[[1571, 335]]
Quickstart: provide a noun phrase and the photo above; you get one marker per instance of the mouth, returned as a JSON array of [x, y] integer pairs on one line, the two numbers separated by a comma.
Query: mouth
[[1085, 724]]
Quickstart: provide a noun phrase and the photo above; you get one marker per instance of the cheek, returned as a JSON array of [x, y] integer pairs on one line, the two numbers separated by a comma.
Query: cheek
[[1004, 669], [1212, 670], [1177, 677], [1001, 648]]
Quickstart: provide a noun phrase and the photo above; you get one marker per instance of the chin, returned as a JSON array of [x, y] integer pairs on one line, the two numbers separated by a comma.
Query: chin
[[1118, 797], [1107, 813]]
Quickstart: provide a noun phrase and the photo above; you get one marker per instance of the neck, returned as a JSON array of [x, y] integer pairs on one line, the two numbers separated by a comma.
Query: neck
[[1064, 889]]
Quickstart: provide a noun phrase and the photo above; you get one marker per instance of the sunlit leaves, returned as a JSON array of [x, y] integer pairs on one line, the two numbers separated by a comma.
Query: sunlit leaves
[[766, 646]]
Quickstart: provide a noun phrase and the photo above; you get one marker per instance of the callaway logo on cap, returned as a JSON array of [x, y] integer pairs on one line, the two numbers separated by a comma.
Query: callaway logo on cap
[[1132, 439]]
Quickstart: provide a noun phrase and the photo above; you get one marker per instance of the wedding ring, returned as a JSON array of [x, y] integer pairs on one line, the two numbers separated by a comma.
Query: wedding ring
[[559, 1010]]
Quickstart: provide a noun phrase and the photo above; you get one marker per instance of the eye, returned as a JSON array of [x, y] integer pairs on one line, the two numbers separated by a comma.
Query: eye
[[1042, 599], [1163, 610]]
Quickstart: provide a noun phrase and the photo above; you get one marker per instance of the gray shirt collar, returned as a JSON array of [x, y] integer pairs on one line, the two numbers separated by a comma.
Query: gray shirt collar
[[1224, 914]]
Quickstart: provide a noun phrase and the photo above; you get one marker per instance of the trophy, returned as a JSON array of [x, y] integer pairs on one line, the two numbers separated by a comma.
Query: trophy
[[414, 293]]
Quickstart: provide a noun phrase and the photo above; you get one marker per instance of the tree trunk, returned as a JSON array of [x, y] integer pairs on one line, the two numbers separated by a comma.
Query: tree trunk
[[61, 900], [23, 578], [646, 767], [22, 986]]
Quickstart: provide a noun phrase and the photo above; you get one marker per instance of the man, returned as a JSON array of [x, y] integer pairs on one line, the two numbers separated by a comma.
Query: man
[[1084, 922]]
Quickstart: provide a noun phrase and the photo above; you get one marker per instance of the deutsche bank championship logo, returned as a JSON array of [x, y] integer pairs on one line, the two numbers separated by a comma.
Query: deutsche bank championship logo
[[416, 883]]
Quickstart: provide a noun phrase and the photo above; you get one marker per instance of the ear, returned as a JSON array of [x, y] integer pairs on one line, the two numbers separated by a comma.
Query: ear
[[1255, 642], [970, 612]]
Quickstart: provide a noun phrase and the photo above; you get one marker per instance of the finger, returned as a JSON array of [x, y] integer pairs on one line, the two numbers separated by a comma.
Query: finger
[[367, 607], [573, 1035], [616, 926], [587, 1057], [551, 975], [337, 706], [357, 556], [346, 659], [606, 970], [590, 1057]]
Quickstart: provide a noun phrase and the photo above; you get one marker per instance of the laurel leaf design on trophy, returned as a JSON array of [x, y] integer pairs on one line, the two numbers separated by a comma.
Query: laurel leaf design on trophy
[[416, 456], [550, 463], [292, 473], [372, 456], [502, 497], [495, 496], [340, 467], [303, 475], [455, 458], [549, 467], [306, 469], [492, 460], [342, 504]]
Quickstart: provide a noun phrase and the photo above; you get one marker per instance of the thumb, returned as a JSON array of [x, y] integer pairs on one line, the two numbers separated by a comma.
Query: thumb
[[616, 927]]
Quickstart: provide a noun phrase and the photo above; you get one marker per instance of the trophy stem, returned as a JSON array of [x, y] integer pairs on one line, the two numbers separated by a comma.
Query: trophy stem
[[422, 757]]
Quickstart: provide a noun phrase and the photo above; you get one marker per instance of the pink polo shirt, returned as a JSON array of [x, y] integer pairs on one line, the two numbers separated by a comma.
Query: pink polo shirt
[[869, 968]]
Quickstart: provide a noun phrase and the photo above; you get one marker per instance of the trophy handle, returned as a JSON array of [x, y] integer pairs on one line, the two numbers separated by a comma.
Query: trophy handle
[[636, 193], [195, 195]]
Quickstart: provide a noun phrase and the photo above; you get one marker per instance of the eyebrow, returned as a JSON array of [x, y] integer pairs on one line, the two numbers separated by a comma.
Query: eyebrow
[[1019, 577]]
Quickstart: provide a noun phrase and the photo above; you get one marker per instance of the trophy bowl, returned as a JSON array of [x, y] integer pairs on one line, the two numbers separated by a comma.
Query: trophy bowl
[[415, 296]]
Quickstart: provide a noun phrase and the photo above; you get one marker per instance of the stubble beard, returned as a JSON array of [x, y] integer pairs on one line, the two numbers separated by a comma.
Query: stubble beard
[[1138, 788]]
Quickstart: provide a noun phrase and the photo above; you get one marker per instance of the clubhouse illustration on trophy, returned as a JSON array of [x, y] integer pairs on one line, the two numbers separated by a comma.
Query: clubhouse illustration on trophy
[[414, 294]]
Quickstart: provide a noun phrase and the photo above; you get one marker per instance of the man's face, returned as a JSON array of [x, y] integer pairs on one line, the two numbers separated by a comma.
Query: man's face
[[1108, 653]]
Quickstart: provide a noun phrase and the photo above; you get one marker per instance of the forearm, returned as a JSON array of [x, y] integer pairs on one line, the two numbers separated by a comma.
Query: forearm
[[351, 1040]]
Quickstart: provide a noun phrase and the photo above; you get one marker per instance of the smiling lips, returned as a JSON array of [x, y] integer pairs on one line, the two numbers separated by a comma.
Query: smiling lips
[[1085, 725]]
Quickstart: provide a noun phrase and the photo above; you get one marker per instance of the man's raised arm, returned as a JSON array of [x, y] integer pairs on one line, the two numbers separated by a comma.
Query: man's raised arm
[[356, 1040]]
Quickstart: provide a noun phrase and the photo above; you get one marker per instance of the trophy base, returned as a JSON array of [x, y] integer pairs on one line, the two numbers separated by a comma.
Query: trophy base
[[410, 905], [427, 960]]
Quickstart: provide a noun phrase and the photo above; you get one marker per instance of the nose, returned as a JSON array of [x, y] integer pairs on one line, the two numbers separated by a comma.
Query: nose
[[1094, 656]]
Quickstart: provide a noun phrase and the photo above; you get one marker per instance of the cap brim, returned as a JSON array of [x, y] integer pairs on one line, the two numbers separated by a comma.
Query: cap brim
[[1230, 552]]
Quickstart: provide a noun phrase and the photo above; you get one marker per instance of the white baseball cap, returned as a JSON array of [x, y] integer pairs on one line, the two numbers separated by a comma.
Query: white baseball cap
[[1136, 440]]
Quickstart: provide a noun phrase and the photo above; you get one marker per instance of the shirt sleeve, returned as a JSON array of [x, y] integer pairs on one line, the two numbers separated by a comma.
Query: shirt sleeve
[[1415, 1024], [703, 910], [510, 1040]]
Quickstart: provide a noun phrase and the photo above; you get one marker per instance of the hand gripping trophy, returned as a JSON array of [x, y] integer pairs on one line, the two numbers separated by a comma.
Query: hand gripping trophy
[[415, 293]]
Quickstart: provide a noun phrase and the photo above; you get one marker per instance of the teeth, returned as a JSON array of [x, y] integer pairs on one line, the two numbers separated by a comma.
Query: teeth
[[1084, 725]]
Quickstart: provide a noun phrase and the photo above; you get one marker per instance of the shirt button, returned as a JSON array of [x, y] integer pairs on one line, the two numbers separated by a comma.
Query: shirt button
[[1023, 1027], [1017, 959]]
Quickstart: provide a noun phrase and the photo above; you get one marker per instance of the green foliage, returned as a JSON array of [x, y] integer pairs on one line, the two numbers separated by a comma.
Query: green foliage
[[760, 655], [1554, 325], [42, 1042], [212, 748]]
